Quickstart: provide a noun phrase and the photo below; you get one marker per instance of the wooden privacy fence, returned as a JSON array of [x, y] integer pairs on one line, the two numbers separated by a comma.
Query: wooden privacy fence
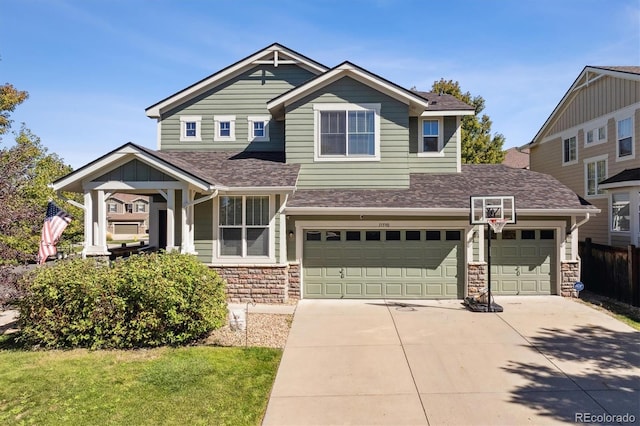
[[611, 271]]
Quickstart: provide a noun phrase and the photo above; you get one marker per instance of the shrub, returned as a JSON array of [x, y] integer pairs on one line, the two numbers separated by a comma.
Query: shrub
[[147, 300]]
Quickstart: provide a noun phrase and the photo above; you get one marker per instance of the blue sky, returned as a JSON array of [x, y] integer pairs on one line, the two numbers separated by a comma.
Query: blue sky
[[92, 67]]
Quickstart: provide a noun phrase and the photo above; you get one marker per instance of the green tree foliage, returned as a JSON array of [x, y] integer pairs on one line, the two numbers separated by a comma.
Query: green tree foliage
[[27, 169], [145, 300], [478, 145]]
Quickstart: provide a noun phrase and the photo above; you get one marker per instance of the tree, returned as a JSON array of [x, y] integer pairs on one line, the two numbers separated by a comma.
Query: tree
[[27, 170], [478, 146]]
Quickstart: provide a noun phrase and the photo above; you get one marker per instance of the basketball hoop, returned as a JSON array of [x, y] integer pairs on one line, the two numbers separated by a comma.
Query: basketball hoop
[[497, 224]]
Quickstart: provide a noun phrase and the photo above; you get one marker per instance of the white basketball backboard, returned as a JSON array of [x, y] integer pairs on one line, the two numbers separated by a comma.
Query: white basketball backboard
[[485, 207]]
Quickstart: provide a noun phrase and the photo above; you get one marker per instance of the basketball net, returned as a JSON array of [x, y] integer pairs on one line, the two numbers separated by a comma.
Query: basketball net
[[497, 224]]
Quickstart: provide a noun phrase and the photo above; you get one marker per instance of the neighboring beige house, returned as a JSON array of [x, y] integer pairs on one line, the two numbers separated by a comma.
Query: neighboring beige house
[[516, 158], [127, 216], [590, 143]]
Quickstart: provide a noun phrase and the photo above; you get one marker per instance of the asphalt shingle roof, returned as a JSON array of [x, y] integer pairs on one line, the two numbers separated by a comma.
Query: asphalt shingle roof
[[628, 69], [444, 102], [235, 169], [532, 190]]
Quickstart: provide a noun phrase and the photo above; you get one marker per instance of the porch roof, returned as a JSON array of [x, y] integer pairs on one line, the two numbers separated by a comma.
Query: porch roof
[[535, 193], [627, 177]]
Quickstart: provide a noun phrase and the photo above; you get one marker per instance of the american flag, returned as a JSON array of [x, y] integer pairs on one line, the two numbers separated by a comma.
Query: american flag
[[55, 222]]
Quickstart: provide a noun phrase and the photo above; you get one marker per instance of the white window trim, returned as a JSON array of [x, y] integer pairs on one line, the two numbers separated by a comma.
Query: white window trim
[[574, 161], [614, 231], [439, 152], [115, 210], [633, 140], [317, 108], [184, 119], [588, 161], [595, 127], [258, 118], [244, 259], [217, 119]]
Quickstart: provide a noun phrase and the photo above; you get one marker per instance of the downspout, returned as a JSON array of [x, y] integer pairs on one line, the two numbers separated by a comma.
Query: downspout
[[202, 200], [582, 222]]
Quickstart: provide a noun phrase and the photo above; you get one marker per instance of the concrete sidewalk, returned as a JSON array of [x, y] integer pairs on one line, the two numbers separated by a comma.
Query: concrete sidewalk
[[544, 360]]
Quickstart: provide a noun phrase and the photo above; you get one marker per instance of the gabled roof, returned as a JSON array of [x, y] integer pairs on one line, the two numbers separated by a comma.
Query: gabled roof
[[535, 194], [516, 158], [203, 169], [275, 54], [416, 101], [128, 198], [627, 177], [588, 75]]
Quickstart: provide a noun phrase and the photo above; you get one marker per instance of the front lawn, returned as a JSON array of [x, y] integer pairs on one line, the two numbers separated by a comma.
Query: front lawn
[[181, 386]]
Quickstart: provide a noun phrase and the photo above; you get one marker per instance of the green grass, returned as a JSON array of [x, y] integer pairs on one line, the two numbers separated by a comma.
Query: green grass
[[193, 385], [621, 311]]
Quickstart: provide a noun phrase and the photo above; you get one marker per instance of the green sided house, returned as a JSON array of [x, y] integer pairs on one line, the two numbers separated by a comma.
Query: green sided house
[[295, 180]]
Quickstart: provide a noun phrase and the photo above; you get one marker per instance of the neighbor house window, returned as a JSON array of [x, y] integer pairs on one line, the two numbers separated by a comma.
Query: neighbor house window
[[625, 138], [141, 207], [569, 149], [259, 128], [244, 226], [112, 207], [190, 128], [431, 140], [224, 128], [347, 131], [128, 208], [620, 212], [596, 172]]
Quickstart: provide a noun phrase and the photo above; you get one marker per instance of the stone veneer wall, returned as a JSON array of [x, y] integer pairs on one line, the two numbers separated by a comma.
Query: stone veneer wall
[[476, 277], [261, 284], [569, 274]]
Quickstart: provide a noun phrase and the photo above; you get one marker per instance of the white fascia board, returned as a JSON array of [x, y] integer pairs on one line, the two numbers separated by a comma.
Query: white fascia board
[[257, 189], [447, 113], [625, 184], [374, 211], [225, 75], [346, 70], [556, 212]]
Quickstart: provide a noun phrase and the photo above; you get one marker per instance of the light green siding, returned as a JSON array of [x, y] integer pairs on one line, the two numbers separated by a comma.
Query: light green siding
[[203, 230], [390, 172], [434, 164], [242, 96], [134, 171]]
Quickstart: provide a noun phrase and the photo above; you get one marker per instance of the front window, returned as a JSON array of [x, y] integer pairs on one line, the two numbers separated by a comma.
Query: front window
[[347, 131], [244, 226], [596, 173], [625, 138], [431, 140], [570, 153], [258, 128], [620, 212], [190, 128], [224, 128]]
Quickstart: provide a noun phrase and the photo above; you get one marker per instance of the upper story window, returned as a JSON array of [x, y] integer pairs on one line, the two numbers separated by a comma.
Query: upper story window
[[224, 128], [625, 138], [569, 150], [128, 208], [190, 128], [244, 226], [347, 132], [112, 207], [596, 135], [140, 207], [258, 128], [595, 172], [431, 138]]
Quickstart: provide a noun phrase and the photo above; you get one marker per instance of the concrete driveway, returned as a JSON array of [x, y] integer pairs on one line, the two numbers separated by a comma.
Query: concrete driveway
[[544, 360]]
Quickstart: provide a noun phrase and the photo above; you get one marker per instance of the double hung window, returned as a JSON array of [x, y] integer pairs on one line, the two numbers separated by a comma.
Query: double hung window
[[596, 172], [569, 150], [431, 137], [625, 138], [244, 226], [190, 128], [347, 131], [620, 212], [224, 128], [258, 128]]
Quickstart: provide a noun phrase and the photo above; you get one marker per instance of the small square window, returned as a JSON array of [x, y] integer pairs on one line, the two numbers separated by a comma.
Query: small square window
[[393, 235], [333, 235], [547, 234], [225, 129], [314, 235], [432, 235], [412, 235], [258, 127], [452, 235], [353, 235], [372, 235], [190, 128], [509, 234], [113, 207], [528, 234]]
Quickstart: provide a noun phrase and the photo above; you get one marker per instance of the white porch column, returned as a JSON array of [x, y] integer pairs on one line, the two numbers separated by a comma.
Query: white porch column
[[634, 216], [187, 245], [574, 242], [101, 235], [88, 222], [171, 218]]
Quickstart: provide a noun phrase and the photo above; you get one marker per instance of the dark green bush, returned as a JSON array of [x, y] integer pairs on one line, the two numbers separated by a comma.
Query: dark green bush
[[148, 300]]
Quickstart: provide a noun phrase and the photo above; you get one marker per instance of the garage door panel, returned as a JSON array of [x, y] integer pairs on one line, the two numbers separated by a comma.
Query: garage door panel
[[413, 289], [413, 272], [529, 286], [352, 289], [393, 272], [434, 289], [393, 289], [333, 289], [371, 272]]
